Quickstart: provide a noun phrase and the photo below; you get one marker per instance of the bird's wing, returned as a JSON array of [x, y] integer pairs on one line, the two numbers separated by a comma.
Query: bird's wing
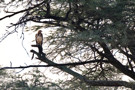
[[36, 38]]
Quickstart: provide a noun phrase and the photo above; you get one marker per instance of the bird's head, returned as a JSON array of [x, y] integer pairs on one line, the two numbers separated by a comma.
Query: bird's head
[[39, 31]]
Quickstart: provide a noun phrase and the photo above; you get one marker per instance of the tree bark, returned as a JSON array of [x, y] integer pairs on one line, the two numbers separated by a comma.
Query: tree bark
[[116, 63]]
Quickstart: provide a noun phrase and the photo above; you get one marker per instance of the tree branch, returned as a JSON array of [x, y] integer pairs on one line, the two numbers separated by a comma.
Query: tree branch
[[75, 74], [63, 68], [110, 83], [14, 13], [83, 78], [54, 65], [116, 63]]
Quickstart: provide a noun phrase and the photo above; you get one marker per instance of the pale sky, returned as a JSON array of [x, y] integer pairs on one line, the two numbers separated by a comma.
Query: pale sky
[[11, 48]]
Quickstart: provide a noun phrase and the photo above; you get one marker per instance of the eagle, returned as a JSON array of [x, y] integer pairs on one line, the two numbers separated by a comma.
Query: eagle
[[39, 40]]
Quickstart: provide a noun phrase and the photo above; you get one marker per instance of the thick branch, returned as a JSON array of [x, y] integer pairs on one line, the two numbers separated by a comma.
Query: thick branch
[[116, 63], [83, 78], [110, 83], [75, 74], [63, 68]]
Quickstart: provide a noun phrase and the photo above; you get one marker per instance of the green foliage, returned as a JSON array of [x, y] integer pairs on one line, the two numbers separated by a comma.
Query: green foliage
[[33, 80], [2, 72]]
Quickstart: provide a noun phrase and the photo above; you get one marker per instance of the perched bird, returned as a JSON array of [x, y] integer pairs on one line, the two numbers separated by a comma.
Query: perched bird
[[39, 40]]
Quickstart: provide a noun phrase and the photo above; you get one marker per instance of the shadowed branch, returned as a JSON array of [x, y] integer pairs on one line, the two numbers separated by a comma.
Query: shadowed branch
[[83, 78], [75, 74]]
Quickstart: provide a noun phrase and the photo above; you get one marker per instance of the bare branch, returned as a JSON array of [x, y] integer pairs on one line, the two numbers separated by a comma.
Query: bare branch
[[116, 63], [83, 78], [75, 74], [51, 65], [89, 82], [110, 83], [6, 35], [21, 11]]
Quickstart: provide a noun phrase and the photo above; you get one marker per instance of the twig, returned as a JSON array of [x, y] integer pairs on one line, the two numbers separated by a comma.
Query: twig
[[51, 65], [22, 11]]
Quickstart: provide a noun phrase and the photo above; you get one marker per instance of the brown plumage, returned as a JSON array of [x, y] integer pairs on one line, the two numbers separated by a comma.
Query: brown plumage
[[39, 38]]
